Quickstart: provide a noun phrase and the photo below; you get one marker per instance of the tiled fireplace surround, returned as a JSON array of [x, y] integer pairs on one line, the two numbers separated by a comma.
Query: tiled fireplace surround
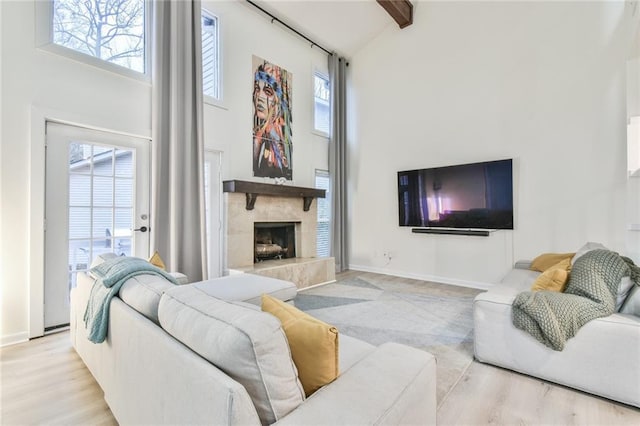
[[305, 269]]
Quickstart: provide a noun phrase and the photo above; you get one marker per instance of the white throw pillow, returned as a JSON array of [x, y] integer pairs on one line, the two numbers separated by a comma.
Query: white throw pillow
[[623, 292], [632, 304], [587, 248]]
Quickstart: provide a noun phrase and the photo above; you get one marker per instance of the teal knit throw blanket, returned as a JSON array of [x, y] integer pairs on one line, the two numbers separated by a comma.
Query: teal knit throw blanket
[[110, 276]]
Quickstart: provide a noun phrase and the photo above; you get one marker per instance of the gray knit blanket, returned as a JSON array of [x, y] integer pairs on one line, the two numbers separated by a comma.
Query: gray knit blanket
[[553, 318]]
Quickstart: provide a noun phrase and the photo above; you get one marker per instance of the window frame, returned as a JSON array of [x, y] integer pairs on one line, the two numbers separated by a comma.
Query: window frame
[[44, 41], [210, 100], [324, 76], [323, 173]]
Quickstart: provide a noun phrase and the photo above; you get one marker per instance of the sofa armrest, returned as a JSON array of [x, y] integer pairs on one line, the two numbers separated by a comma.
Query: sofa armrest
[[522, 264], [180, 277], [395, 384]]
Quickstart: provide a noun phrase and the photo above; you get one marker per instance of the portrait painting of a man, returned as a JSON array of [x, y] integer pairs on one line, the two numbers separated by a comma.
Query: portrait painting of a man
[[272, 147]]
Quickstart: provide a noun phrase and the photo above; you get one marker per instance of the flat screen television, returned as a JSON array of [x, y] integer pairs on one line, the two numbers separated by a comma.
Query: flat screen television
[[468, 196]]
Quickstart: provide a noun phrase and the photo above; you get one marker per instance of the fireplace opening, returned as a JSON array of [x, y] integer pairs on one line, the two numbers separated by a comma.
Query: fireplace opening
[[274, 240]]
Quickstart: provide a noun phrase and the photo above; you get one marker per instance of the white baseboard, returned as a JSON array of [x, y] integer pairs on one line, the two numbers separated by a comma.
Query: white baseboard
[[443, 280], [12, 339]]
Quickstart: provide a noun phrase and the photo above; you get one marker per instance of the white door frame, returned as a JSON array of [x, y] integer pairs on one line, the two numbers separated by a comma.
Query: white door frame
[[112, 212], [221, 236], [35, 277]]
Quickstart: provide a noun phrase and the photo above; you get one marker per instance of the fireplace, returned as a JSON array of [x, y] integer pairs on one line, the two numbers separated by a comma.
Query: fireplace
[[283, 220], [274, 240]]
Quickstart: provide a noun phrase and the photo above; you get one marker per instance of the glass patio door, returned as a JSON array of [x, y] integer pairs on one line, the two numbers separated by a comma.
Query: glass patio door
[[97, 201]]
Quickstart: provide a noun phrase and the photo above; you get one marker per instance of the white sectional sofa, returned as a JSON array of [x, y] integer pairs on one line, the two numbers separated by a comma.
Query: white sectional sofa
[[151, 376], [603, 358]]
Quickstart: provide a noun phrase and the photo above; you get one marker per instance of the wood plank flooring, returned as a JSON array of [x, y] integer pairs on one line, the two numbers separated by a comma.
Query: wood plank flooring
[[44, 381], [488, 395]]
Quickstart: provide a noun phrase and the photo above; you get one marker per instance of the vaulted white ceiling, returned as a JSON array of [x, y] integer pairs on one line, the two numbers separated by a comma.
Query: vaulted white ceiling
[[343, 26]]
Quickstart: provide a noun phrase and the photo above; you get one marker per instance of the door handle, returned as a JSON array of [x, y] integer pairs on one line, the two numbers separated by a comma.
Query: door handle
[[142, 229]]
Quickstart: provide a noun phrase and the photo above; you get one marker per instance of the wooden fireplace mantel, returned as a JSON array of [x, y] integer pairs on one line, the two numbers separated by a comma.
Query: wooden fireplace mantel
[[253, 189]]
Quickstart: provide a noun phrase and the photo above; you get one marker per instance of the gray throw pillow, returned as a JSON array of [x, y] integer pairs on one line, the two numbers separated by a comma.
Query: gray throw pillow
[[632, 304]]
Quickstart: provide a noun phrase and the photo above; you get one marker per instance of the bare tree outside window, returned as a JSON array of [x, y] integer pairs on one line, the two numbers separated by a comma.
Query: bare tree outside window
[[112, 30]]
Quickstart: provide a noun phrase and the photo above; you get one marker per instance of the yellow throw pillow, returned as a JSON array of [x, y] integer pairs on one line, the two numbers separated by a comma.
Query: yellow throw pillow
[[313, 344], [563, 264], [547, 260], [553, 279], [156, 260]]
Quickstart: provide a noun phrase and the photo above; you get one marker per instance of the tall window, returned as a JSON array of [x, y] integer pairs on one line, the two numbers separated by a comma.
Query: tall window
[[110, 30], [321, 96], [210, 56], [324, 214]]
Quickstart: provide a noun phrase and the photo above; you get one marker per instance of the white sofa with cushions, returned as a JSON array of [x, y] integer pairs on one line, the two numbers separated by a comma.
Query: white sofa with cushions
[[183, 355], [603, 358]]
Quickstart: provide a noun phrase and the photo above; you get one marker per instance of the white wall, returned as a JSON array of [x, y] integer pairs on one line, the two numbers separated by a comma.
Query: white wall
[[247, 32], [37, 84], [542, 83]]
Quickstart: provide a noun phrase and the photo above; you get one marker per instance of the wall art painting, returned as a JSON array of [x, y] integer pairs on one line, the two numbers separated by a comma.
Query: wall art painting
[[272, 147]]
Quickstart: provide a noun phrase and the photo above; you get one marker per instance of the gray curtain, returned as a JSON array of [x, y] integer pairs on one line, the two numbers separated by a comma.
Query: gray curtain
[[177, 221], [338, 162]]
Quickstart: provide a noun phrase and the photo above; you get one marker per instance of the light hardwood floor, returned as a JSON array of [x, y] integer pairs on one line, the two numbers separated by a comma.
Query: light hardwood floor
[[44, 381]]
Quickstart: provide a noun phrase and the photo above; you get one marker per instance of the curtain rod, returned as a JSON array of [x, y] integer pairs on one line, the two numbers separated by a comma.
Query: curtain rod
[[273, 18]]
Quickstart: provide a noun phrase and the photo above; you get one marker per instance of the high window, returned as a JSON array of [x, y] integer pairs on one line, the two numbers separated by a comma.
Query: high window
[[321, 96], [324, 214], [110, 30], [210, 56]]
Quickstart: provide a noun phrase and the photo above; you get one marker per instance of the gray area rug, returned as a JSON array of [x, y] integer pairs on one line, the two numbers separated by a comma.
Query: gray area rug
[[380, 308]]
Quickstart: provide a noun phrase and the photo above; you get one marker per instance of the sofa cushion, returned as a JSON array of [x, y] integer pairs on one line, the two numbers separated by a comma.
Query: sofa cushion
[[143, 293], [520, 279], [247, 288], [313, 343], [351, 351], [248, 345], [99, 259], [548, 260]]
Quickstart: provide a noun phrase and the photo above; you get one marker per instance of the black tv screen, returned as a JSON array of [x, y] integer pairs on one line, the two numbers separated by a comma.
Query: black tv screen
[[469, 196]]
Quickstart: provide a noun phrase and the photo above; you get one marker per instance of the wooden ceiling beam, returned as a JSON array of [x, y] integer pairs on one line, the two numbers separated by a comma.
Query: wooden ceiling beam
[[400, 10]]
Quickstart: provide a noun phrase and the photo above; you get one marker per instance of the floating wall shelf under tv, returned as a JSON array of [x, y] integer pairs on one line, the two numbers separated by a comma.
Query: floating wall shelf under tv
[[466, 199]]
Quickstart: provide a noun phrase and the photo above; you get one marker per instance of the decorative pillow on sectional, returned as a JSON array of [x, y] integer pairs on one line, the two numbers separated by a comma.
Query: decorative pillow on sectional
[[156, 260], [632, 304], [547, 260], [587, 248], [624, 291], [249, 346], [553, 279], [313, 344]]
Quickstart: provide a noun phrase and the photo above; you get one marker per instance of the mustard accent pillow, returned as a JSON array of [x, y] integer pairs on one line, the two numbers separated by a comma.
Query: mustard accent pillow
[[156, 260], [563, 264], [553, 279], [547, 260], [313, 344]]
